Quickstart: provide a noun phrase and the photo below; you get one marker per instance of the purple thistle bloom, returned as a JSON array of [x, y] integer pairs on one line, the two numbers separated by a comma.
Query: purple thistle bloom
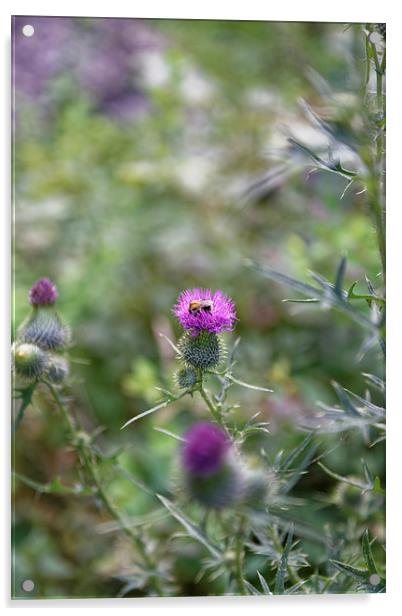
[[201, 310], [205, 446], [43, 292]]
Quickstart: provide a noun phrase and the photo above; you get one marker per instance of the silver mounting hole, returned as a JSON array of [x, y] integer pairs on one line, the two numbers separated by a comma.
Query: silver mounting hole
[[28, 30], [28, 585]]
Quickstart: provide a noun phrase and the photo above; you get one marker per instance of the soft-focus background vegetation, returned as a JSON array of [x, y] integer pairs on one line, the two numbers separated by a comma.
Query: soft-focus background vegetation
[[135, 145]]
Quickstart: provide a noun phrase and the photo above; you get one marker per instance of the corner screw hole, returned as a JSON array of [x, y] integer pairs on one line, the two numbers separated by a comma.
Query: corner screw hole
[[28, 585], [28, 30]]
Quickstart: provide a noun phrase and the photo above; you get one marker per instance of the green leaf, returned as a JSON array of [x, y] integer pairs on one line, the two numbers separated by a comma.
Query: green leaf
[[347, 405], [161, 405], [252, 589], [193, 531], [243, 384], [155, 408], [299, 470], [303, 288], [296, 452], [367, 553], [295, 587], [365, 296], [301, 301], [366, 404], [340, 275], [375, 380], [173, 346], [331, 165], [367, 473], [377, 487], [25, 395], [281, 572], [326, 295], [129, 476], [264, 584], [351, 482], [168, 433], [357, 574]]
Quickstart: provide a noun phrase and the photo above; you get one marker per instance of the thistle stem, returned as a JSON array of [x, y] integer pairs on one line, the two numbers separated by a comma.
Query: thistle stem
[[86, 455], [214, 410], [376, 164]]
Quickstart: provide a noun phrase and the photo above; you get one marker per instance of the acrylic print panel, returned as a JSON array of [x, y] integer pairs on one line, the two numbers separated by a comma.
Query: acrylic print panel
[[179, 429]]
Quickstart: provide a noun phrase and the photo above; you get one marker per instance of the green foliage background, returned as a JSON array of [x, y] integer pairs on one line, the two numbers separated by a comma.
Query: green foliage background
[[123, 215]]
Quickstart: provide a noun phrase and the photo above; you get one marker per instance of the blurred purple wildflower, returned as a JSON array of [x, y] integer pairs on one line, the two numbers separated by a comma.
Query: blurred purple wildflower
[[43, 292], [216, 312], [99, 56], [205, 446]]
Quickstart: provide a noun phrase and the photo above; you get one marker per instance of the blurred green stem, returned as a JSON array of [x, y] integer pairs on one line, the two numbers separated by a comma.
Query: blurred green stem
[[376, 187], [214, 410], [81, 442], [239, 549]]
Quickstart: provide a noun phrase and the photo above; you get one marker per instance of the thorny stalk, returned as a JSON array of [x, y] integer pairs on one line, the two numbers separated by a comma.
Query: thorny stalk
[[376, 165], [82, 444]]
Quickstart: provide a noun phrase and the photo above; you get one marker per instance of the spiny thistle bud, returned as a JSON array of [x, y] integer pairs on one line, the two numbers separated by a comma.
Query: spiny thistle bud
[[57, 369], [203, 351], [45, 328], [211, 471], [30, 362], [186, 378]]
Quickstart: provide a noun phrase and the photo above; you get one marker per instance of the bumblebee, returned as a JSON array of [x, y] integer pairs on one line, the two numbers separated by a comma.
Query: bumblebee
[[196, 305]]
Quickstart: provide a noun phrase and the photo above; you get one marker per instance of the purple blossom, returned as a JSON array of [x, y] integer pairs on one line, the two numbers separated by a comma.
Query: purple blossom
[[43, 292], [99, 56], [205, 446], [201, 310]]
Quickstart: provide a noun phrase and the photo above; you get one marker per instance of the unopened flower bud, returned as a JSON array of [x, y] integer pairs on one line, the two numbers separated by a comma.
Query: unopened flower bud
[[30, 362], [57, 369], [45, 329], [44, 326], [202, 351], [211, 471], [186, 378]]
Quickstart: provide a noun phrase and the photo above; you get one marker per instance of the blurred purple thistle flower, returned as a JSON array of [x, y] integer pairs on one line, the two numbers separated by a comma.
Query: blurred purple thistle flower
[[43, 292], [201, 310], [204, 448], [99, 56]]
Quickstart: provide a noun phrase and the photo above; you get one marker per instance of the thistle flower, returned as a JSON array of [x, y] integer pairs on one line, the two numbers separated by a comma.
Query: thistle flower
[[212, 474], [44, 326], [201, 310], [205, 446], [43, 293]]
